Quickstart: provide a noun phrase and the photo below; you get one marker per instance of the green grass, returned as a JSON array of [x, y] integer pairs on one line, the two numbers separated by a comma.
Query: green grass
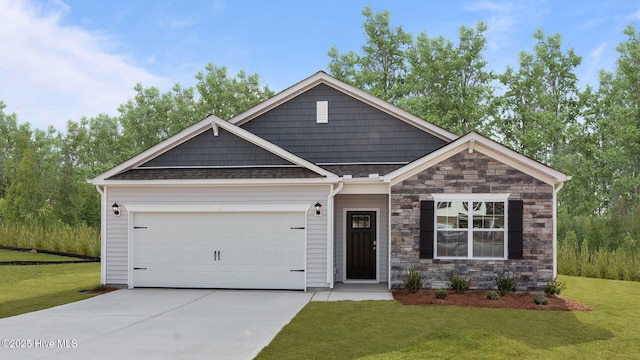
[[29, 288], [10, 255], [388, 330]]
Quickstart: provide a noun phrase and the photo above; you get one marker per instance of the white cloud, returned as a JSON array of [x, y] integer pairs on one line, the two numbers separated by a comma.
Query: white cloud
[[217, 6], [597, 59], [504, 19], [510, 25], [177, 22], [52, 73]]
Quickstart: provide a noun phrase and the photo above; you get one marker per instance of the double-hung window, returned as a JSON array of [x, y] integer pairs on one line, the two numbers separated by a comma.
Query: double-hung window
[[470, 226]]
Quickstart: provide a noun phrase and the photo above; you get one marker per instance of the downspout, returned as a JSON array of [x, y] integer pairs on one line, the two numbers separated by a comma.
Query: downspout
[[103, 234], [389, 238], [330, 231], [555, 228]]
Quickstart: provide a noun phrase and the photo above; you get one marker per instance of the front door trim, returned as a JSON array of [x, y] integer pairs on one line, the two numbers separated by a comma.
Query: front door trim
[[344, 245]]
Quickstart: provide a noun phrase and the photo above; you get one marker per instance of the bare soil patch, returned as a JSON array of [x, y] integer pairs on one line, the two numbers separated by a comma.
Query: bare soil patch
[[479, 299]]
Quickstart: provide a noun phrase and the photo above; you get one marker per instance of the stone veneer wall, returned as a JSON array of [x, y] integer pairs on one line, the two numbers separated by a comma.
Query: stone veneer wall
[[473, 173]]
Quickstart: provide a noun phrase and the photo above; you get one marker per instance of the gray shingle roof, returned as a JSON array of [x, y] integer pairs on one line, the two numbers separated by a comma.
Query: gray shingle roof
[[217, 173], [361, 170]]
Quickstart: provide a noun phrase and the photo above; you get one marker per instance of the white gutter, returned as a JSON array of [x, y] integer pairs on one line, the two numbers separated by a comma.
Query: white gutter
[[218, 182], [103, 234], [330, 231], [555, 228]]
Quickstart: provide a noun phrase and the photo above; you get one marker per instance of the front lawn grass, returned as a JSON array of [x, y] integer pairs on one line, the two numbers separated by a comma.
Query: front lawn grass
[[12, 255], [389, 330], [26, 288]]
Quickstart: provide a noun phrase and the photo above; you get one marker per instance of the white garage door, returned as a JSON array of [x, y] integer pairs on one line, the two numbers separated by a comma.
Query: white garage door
[[236, 250]]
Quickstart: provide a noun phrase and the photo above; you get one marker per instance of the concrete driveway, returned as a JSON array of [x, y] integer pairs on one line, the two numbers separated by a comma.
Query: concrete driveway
[[153, 324]]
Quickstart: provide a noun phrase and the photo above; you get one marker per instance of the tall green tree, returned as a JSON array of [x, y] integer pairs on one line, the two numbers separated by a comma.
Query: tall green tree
[[623, 99], [225, 96], [152, 116], [382, 65], [93, 145], [450, 85], [584, 156], [541, 100], [8, 130], [26, 200]]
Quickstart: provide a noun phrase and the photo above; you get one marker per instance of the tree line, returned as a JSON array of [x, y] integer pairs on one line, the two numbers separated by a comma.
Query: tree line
[[535, 107], [43, 173]]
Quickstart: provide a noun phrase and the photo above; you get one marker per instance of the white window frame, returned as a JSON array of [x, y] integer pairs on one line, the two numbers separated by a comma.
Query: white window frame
[[473, 197]]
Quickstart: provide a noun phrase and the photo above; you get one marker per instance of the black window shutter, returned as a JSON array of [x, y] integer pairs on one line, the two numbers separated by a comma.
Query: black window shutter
[[426, 229], [515, 229]]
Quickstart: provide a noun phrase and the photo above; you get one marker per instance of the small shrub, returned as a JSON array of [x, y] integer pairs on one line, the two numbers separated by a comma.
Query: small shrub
[[100, 287], [554, 287], [458, 284], [540, 300], [441, 294], [492, 295], [413, 281], [506, 284]]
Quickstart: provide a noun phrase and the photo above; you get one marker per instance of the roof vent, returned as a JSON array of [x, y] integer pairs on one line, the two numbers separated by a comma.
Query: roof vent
[[322, 112]]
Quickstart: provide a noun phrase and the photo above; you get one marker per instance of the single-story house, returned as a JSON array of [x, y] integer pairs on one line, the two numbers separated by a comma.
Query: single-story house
[[325, 183]]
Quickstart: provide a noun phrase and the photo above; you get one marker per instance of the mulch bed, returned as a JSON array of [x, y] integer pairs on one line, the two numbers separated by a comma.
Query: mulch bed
[[101, 291], [479, 299]]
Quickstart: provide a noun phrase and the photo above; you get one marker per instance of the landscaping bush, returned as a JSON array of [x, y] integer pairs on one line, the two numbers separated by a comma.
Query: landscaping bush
[[554, 287], [413, 280], [492, 295], [458, 284], [441, 294], [506, 283], [540, 300]]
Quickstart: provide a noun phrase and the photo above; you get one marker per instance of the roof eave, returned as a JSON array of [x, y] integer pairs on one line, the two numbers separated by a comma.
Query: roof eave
[[476, 142], [196, 129], [157, 149], [218, 182]]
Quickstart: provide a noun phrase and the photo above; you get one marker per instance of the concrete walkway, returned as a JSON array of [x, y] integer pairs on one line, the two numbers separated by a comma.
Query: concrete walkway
[[162, 324], [355, 292]]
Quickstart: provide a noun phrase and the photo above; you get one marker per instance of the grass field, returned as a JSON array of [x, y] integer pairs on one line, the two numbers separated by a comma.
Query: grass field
[[9, 255], [388, 330], [35, 287]]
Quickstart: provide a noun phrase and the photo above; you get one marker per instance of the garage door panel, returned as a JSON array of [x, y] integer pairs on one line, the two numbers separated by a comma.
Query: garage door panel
[[219, 250]]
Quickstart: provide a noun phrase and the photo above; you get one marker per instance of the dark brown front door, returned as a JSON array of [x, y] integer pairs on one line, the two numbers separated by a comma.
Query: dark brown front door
[[361, 245]]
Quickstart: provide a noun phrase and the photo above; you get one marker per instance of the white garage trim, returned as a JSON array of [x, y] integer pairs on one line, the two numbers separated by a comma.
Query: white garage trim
[[218, 208], [133, 210]]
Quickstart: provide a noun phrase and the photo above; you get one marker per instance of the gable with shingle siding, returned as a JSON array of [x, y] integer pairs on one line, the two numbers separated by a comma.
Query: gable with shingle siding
[[223, 150], [355, 133]]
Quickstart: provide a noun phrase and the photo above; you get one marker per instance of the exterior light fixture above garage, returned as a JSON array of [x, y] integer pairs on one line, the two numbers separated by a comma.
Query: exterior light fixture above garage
[[116, 209]]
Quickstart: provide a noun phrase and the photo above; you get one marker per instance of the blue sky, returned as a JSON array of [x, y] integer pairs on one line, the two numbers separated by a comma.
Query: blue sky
[[63, 59]]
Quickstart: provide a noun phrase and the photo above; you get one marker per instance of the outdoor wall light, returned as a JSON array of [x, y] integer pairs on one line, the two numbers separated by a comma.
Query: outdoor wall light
[[116, 209], [318, 206]]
